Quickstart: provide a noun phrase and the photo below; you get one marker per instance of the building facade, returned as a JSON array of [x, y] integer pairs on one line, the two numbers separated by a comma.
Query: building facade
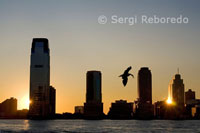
[[79, 110], [145, 85], [121, 109], [93, 108], [40, 90], [8, 108], [189, 96], [178, 91], [52, 97], [143, 107]]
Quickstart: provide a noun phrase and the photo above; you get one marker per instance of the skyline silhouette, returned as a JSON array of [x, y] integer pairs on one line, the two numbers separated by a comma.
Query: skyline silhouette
[[79, 43], [43, 96], [178, 105], [126, 72]]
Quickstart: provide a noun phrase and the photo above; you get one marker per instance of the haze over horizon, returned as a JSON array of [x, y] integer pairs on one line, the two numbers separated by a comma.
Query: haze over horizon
[[78, 43]]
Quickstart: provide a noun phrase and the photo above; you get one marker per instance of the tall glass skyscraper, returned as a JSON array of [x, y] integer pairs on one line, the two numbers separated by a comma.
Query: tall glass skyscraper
[[93, 93], [177, 90], [144, 107], [93, 108], [40, 90], [145, 85]]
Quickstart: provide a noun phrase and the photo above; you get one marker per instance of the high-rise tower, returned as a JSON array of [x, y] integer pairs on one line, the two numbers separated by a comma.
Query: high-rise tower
[[93, 93], [177, 90], [144, 107], [40, 80], [145, 85], [93, 108]]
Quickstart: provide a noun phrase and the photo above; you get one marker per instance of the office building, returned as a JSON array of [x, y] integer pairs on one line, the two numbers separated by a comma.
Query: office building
[[145, 85], [177, 91], [52, 94], [189, 96], [143, 107], [121, 109], [42, 96], [79, 109], [93, 108], [8, 108]]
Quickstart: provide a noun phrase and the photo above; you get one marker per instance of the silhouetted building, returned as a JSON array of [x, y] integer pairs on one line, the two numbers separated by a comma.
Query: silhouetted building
[[52, 106], [41, 94], [22, 114], [162, 110], [8, 108], [189, 96], [145, 85], [79, 109], [93, 108], [177, 90], [196, 112], [144, 107], [121, 110], [159, 109], [190, 102]]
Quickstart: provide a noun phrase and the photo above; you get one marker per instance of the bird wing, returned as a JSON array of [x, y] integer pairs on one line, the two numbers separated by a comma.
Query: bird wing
[[131, 75], [120, 75], [127, 70], [125, 80]]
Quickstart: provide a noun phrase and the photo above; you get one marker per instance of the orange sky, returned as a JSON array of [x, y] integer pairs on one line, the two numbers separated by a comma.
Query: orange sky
[[79, 44]]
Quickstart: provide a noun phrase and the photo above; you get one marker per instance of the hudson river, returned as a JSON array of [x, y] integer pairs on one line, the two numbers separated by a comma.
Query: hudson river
[[105, 126]]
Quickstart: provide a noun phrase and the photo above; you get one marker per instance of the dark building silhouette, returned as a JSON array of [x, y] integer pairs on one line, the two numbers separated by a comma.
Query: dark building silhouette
[[42, 96], [159, 109], [52, 106], [93, 108], [191, 103], [177, 90], [189, 96], [79, 110], [162, 110], [145, 85], [22, 114], [121, 110], [176, 93], [144, 107], [196, 111], [8, 108]]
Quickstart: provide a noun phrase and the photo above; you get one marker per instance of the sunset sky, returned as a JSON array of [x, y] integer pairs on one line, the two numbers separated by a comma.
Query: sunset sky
[[78, 43]]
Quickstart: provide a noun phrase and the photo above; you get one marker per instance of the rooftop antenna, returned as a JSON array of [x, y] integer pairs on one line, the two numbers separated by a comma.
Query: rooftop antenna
[[178, 70]]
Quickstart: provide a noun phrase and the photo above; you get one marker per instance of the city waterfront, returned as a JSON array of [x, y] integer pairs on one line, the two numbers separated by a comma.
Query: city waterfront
[[99, 126]]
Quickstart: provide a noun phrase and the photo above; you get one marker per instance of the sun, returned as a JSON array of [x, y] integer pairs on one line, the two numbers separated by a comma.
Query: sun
[[169, 101], [24, 102]]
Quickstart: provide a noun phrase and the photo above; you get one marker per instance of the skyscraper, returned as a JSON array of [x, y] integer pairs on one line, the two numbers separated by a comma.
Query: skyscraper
[[93, 108], [144, 107], [145, 85], [40, 79], [177, 90]]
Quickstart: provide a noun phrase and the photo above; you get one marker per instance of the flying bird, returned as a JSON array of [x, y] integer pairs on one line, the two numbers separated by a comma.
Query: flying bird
[[125, 75]]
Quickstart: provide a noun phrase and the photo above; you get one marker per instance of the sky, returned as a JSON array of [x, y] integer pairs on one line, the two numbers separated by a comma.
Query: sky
[[78, 43]]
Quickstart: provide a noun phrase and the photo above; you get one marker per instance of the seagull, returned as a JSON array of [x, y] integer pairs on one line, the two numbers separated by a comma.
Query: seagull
[[125, 76]]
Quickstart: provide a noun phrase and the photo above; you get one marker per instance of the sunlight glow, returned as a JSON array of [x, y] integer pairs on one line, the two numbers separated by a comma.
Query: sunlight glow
[[169, 100], [24, 102]]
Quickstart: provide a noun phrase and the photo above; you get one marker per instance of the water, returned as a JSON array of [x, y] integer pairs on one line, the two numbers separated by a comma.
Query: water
[[101, 126]]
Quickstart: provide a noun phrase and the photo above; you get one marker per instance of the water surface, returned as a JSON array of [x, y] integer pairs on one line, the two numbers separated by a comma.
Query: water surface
[[99, 126]]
